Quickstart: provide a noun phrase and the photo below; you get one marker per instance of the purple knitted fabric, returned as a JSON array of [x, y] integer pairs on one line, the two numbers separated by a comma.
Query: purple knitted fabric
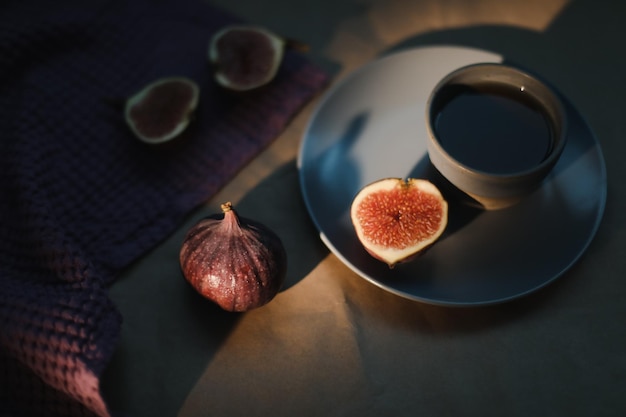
[[80, 197]]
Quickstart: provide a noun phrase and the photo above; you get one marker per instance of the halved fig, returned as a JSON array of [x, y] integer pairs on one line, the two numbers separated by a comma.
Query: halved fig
[[162, 110], [245, 57], [396, 219]]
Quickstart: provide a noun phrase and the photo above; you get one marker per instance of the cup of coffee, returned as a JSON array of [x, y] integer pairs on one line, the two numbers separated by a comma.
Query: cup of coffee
[[495, 132]]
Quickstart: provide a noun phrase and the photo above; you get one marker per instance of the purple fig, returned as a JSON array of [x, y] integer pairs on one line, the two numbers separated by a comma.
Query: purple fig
[[235, 262]]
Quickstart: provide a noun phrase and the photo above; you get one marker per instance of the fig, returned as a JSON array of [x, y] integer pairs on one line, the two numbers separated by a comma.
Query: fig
[[238, 263], [396, 219], [162, 110], [245, 57]]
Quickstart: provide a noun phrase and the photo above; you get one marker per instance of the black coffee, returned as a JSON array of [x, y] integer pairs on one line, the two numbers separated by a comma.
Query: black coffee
[[495, 129]]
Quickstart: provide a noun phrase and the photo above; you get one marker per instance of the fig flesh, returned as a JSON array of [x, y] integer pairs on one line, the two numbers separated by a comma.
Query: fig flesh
[[162, 110], [245, 57], [396, 219], [236, 262]]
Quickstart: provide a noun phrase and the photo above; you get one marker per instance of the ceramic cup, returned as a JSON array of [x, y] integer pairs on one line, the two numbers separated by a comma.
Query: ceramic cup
[[495, 132]]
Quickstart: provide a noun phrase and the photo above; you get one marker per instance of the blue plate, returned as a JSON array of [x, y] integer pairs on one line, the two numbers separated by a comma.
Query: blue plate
[[371, 125]]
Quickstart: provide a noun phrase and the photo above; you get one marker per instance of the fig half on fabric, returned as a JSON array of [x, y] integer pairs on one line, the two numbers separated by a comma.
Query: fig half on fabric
[[245, 57], [163, 109]]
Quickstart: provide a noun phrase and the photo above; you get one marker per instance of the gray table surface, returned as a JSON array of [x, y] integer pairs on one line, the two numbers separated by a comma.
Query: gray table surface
[[331, 343]]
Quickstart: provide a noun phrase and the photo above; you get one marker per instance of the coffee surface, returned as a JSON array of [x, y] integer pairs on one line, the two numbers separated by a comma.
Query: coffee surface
[[494, 129]]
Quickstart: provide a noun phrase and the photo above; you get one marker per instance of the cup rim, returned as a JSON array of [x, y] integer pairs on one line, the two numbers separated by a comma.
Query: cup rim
[[494, 177]]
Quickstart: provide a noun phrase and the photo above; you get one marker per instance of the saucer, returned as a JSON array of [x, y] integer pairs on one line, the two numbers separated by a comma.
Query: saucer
[[371, 126]]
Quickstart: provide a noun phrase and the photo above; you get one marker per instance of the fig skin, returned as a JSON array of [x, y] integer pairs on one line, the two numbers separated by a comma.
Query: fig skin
[[396, 220], [162, 110], [238, 263]]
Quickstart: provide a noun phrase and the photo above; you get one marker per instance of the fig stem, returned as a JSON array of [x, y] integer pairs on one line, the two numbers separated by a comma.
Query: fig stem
[[226, 207]]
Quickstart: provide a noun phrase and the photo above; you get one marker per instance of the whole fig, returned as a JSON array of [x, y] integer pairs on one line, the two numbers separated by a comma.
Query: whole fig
[[238, 263]]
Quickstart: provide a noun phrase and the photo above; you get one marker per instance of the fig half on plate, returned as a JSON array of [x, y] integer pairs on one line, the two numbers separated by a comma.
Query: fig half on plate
[[396, 219]]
